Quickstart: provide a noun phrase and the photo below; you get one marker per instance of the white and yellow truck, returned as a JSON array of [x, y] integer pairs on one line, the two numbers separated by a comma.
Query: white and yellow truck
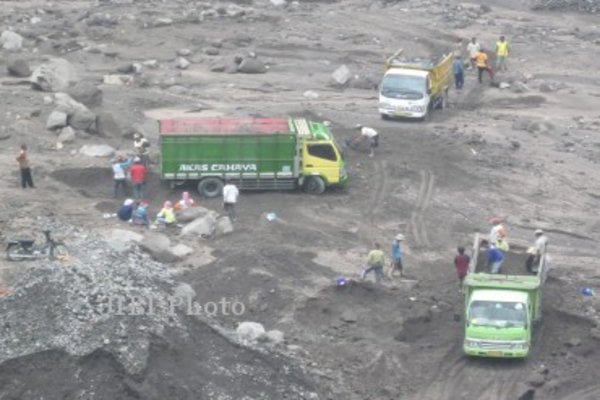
[[412, 87]]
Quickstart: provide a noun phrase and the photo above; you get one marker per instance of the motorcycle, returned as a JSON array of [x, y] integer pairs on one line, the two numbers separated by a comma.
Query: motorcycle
[[25, 249]]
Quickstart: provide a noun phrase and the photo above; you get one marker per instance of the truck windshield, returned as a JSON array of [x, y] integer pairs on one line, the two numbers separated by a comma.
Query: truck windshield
[[403, 87], [499, 314]]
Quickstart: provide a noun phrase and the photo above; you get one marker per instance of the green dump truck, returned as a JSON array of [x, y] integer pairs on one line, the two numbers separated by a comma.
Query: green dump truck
[[413, 86], [254, 153], [501, 309]]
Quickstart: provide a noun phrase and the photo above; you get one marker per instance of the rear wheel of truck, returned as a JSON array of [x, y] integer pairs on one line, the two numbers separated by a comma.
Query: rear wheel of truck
[[314, 185], [385, 117], [210, 187]]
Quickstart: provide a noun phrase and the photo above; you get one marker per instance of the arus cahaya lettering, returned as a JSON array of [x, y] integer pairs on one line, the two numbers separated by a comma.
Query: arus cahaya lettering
[[217, 168]]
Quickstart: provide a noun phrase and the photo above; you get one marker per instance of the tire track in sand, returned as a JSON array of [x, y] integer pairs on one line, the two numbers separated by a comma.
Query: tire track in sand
[[417, 226]]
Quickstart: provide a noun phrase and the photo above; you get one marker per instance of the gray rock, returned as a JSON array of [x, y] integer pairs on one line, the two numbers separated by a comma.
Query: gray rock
[[54, 76], [203, 226], [250, 331], [86, 93], [278, 3], [223, 226], [126, 236], [504, 85], [181, 250], [56, 119], [341, 76], [18, 67], [97, 150], [363, 82], [519, 87], [595, 333], [536, 379], [163, 22], [184, 52], [65, 103], [11, 41], [159, 247], [102, 19], [546, 88], [311, 94], [107, 126], [83, 120], [211, 51], [349, 316], [573, 342], [184, 292], [190, 214], [67, 135], [182, 63], [275, 336], [251, 66]]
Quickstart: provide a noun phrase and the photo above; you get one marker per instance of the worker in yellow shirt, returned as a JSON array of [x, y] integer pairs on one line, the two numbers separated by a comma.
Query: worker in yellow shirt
[[481, 61], [502, 49], [375, 262]]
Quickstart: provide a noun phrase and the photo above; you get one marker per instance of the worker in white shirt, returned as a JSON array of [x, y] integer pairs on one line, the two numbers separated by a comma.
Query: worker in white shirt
[[230, 196], [473, 48], [366, 134]]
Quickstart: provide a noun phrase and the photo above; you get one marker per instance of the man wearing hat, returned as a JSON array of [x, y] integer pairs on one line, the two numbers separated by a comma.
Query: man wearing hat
[[141, 144], [365, 134], [498, 230], [138, 178], [396, 263]]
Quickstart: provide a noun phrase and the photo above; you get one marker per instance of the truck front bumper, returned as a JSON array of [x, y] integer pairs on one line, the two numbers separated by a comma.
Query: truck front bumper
[[496, 350], [401, 113]]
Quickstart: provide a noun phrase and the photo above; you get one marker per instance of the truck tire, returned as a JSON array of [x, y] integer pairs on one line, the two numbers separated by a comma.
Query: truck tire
[[314, 185], [210, 187], [385, 117]]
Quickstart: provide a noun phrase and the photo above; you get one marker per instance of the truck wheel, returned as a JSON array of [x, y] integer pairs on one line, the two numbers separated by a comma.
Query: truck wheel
[[210, 187], [314, 185], [385, 117]]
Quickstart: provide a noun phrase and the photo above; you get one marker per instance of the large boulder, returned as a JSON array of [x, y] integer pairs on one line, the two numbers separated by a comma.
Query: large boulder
[[190, 214], [203, 226], [341, 76], [83, 120], [223, 226], [18, 67], [67, 104], [250, 331], [67, 135], [11, 40], [181, 250], [54, 76], [56, 119], [97, 150], [251, 65], [107, 126], [86, 93], [159, 247]]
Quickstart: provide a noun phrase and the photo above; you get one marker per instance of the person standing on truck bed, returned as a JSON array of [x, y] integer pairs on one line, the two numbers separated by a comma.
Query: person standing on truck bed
[[535, 253], [375, 263], [458, 68], [230, 196], [396, 263], [498, 231], [473, 48], [502, 50], [495, 257], [141, 145]]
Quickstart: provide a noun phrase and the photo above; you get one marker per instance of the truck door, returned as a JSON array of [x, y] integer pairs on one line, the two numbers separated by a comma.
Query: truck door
[[321, 158]]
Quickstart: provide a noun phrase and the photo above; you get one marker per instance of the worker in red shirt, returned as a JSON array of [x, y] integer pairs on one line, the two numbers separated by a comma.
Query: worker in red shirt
[[461, 262], [138, 178]]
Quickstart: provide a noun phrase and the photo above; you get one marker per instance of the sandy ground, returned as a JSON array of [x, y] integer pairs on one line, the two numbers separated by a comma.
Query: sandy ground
[[530, 157]]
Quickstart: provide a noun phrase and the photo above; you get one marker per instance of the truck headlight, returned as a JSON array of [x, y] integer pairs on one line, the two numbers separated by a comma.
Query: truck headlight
[[417, 108], [471, 343]]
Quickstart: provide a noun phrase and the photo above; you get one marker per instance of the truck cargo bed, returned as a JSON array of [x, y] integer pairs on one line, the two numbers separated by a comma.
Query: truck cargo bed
[[514, 261]]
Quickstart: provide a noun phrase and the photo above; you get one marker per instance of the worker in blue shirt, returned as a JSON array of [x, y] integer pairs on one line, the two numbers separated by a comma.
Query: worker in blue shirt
[[495, 257], [396, 263], [458, 68]]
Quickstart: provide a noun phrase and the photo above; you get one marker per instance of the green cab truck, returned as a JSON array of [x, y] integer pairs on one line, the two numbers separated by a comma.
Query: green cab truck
[[501, 309], [253, 153]]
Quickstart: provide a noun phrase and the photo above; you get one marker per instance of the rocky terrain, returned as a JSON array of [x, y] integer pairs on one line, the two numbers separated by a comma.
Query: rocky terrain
[[79, 78]]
